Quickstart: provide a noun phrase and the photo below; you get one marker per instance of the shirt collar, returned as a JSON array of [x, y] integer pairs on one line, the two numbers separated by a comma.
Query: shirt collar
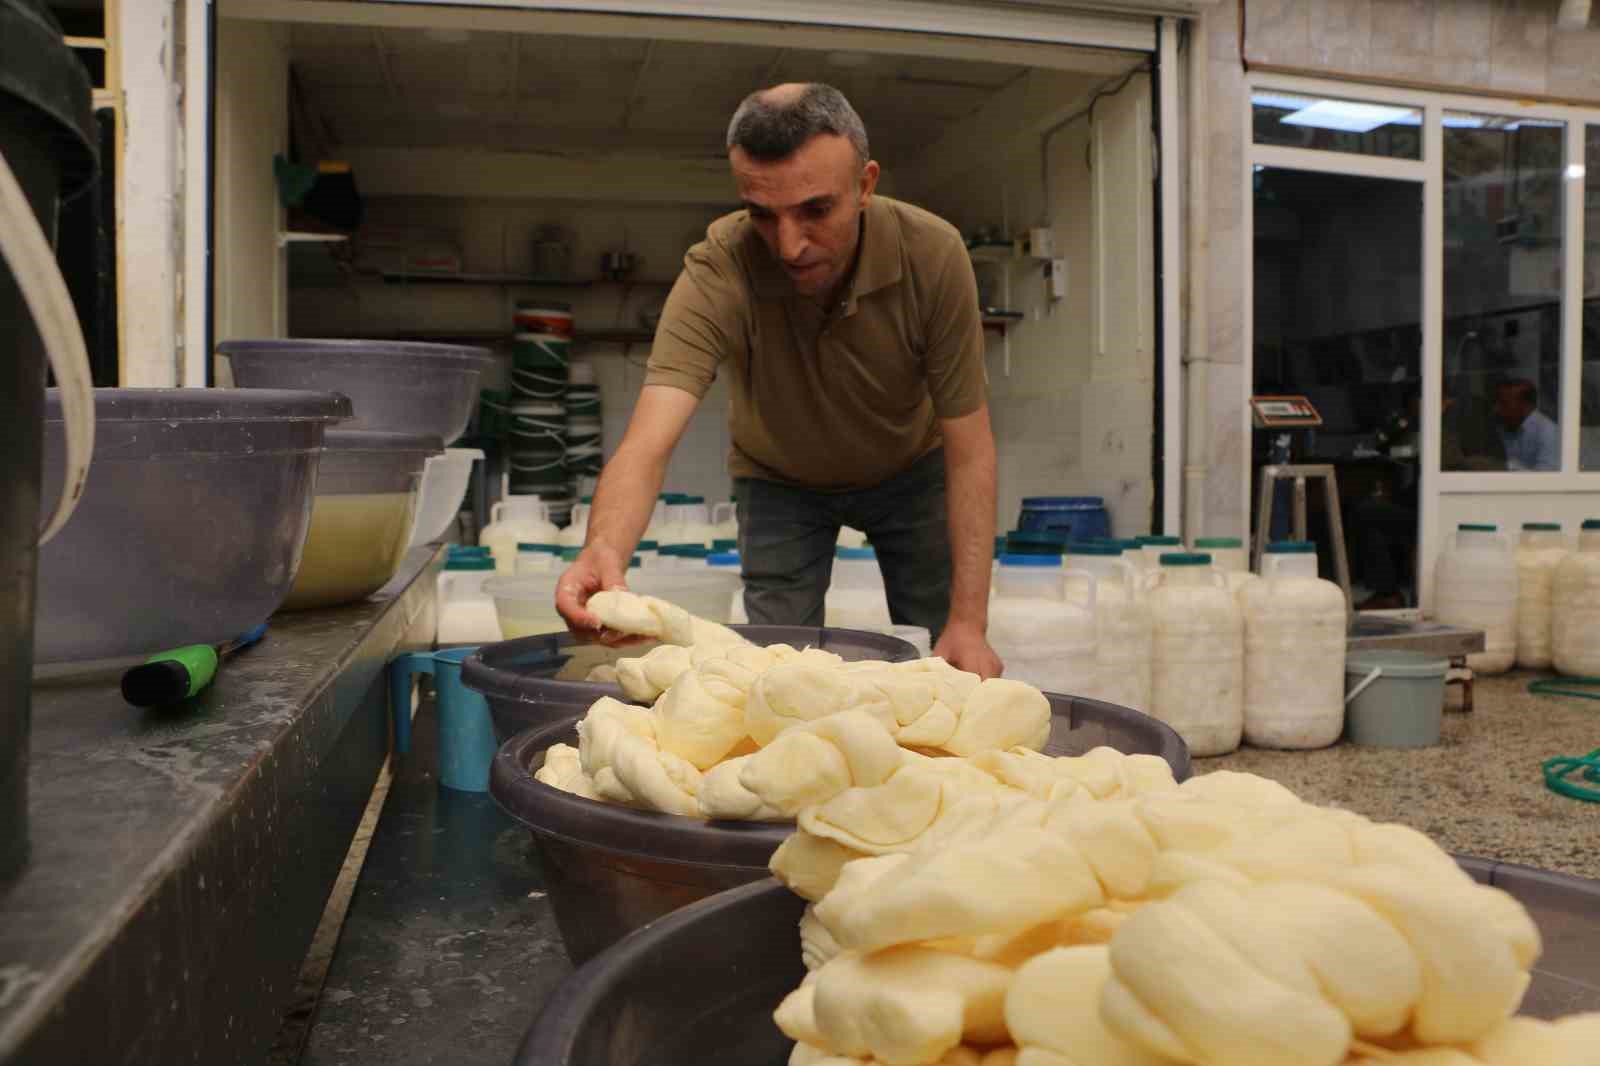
[[878, 263]]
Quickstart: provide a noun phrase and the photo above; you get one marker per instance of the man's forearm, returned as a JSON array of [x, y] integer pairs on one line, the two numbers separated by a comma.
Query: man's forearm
[[623, 503], [970, 503]]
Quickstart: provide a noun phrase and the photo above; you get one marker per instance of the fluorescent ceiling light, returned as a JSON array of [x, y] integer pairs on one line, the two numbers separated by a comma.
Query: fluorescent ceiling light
[[1346, 116]]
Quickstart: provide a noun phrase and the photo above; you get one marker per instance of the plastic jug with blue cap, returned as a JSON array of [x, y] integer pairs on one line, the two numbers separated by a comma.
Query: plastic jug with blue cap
[[1123, 627], [1041, 637], [466, 731]]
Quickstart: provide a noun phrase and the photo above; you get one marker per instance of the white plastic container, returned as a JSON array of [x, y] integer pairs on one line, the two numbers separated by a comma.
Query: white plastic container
[[725, 521], [1228, 558], [1575, 608], [855, 598], [658, 520], [538, 558], [1155, 547], [1294, 648], [728, 563], [694, 521], [517, 520], [850, 538], [1540, 551], [444, 484], [1475, 584], [577, 530], [526, 606], [1197, 661], [1041, 637], [466, 611], [1124, 631], [648, 552]]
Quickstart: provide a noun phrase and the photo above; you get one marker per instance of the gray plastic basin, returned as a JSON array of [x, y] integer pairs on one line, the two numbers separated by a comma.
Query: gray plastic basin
[[612, 869], [191, 522], [699, 986], [395, 386]]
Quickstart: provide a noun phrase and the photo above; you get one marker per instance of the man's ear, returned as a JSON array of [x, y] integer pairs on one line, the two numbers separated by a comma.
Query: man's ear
[[869, 180]]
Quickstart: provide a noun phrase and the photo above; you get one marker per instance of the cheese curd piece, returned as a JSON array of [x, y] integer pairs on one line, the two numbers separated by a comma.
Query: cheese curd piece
[[1053, 1008], [1001, 714], [908, 1006], [810, 865], [721, 796], [646, 677], [796, 692], [606, 724], [816, 761], [701, 717], [563, 769], [648, 616]]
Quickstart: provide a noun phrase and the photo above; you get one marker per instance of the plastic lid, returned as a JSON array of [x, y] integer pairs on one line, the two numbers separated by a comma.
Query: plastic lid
[[1396, 663], [649, 546], [856, 553], [633, 563], [1543, 527], [469, 562], [570, 555], [1291, 547], [1185, 559], [1218, 542], [524, 546], [1591, 523], [1079, 547], [692, 499], [685, 551], [1477, 527], [1042, 561], [470, 549], [1160, 542], [723, 559], [724, 544], [999, 546], [585, 499]]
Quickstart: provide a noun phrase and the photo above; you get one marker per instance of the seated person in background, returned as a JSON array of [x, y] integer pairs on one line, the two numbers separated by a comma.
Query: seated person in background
[[1469, 435], [1532, 440]]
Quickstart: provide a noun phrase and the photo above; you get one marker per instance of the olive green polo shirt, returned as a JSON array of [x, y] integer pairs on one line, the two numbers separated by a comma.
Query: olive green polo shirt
[[830, 398]]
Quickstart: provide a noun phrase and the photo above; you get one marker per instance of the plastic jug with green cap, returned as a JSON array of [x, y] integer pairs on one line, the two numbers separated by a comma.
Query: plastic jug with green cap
[[1475, 585], [1197, 654], [1294, 650], [1541, 549], [1575, 607]]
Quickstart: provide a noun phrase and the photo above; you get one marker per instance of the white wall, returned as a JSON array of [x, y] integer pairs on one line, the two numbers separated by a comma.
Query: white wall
[[1073, 398], [252, 115]]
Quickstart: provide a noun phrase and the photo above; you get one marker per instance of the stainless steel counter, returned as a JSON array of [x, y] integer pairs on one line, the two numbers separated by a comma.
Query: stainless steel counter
[[182, 857]]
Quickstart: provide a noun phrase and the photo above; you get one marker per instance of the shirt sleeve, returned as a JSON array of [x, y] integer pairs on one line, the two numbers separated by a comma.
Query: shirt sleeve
[[702, 324], [958, 381]]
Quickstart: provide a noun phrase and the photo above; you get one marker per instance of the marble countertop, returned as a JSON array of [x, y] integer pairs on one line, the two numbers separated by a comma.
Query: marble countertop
[[1481, 792]]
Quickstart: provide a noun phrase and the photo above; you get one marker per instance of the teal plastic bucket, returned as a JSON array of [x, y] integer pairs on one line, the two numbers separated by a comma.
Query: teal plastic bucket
[[1394, 699], [466, 732]]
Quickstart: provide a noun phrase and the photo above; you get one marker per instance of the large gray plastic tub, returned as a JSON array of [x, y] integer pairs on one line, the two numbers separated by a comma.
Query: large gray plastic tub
[[612, 869], [526, 680], [396, 386], [191, 521], [700, 985]]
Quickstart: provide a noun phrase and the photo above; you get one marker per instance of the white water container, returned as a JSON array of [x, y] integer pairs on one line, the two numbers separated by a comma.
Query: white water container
[[516, 520], [1124, 631], [728, 563], [1041, 637], [1294, 645], [537, 558], [659, 522], [648, 552], [725, 521], [577, 530], [466, 612], [1197, 662], [1475, 584], [855, 598], [850, 538], [1541, 549], [1575, 607], [693, 522], [1229, 559]]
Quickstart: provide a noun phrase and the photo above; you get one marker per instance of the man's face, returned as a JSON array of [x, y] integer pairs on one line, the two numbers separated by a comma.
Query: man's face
[[807, 207], [1511, 408]]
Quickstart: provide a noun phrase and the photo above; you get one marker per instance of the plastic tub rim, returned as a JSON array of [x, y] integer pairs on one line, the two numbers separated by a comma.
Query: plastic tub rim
[[1396, 663]]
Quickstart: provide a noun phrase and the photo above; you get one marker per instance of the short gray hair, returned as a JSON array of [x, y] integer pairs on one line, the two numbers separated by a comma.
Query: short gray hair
[[770, 130]]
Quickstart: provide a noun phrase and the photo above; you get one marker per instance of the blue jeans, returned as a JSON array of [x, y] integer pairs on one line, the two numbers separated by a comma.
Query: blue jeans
[[787, 536]]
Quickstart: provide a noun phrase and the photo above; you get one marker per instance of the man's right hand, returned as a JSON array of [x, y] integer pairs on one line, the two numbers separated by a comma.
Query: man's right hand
[[595, 569]]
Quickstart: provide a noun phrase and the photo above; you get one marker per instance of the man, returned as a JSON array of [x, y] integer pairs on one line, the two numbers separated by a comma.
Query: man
[[849, 329], [1532, 440]]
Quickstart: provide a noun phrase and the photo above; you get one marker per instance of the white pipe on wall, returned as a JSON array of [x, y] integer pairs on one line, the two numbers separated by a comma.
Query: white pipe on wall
[[1196, 394]]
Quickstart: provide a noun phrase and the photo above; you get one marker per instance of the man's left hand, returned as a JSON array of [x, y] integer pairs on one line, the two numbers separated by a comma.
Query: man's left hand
[[964, 646]]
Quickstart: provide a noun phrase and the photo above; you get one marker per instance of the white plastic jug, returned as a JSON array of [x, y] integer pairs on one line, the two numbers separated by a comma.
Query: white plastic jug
[[850, 538], [1197, 663], [1294, 645], [1575, 607], [1124, 630], [577, 530], [1155, 547], [515, 520], [658, 521], [855, 598], [466, 612], [693, 522], [538, 558], [1041, 637], [725, 521], [1229, 559], [1541, 549], [1475, 584]]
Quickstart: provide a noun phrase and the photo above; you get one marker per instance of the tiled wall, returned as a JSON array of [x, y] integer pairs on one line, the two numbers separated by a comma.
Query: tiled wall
[[1506, 47], [1072, 401]]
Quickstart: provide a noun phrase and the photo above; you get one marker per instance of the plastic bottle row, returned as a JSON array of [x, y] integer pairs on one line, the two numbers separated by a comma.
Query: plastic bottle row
[[678, 521], [1538, 605]]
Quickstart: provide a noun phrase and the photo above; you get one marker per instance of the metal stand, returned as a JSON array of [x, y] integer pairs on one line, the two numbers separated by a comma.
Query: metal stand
[[1270, 476]]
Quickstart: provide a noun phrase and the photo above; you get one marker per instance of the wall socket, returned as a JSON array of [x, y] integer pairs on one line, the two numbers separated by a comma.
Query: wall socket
[[1056, 271]]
